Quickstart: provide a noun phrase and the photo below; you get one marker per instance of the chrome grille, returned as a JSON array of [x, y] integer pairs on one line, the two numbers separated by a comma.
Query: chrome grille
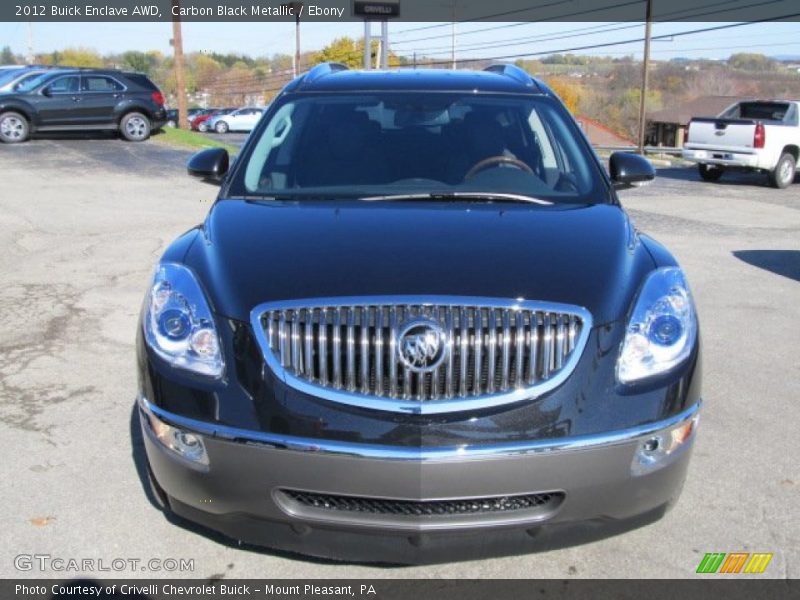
[[346, 350]]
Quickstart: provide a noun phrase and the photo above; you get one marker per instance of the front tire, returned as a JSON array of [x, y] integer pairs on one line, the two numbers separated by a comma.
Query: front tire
[[135, 127], [783, 174], [203, 127], [222, 127], [709, 172], [14, 128]]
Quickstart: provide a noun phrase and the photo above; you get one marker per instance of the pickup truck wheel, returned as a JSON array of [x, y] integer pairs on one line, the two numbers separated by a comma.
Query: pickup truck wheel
[[710, 172], [13, 128], [783, 175], [135, 127]]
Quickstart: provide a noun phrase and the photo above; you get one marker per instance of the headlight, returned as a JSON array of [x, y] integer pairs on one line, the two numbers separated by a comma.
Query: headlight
[[178, 325], [662, 329]]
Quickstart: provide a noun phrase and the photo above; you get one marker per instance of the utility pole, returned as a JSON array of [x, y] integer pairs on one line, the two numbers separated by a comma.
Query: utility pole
[[295, 9], [453, 35], [384, 44], [180, 80], [645, 70], [30, 43], [367, 44]]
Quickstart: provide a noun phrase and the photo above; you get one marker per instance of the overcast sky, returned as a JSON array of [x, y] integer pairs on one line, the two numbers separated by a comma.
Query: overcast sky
[[258, 39]]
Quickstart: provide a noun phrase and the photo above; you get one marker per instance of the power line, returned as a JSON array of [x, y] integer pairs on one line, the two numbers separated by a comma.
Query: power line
[[593, 29], [618, 43]]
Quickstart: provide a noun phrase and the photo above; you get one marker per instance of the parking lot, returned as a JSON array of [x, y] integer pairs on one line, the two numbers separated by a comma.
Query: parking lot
[[82, 222]]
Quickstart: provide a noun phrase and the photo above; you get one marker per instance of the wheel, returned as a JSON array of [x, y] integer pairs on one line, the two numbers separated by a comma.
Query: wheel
[[710, 172], [171, 123], [203, 127], [783, 175], [135, 127], [13, 128], [222, 127]]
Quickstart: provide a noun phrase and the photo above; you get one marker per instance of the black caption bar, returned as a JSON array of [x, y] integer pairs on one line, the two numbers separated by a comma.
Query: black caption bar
[[463, 11], [397, 589]]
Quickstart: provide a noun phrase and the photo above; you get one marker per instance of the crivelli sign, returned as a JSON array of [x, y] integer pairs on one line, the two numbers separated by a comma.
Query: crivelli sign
[[463, 11]]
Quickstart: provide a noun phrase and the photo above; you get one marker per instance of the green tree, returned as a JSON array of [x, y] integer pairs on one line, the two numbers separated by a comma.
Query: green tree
[[7, 56], [748, 61], [80, 57], [349, 52], [139, 61]]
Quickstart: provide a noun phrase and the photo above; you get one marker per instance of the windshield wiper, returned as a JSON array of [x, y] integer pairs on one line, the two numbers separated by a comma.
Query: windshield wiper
[[489, 196]]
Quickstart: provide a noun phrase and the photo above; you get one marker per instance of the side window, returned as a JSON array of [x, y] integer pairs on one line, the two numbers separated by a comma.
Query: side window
[[99, 83], [64, 85]]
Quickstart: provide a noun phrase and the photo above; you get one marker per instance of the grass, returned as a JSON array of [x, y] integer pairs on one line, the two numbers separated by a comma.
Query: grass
[[189, 139]]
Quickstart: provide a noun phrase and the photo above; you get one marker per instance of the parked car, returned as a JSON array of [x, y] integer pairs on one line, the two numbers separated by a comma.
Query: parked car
[[82, 100], [200, 123], [13, 77], [173, 118], [417, 325], [751, 135], [243, 119]]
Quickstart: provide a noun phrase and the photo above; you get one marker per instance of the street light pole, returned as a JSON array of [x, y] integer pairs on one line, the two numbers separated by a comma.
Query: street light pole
[[296, 9], [367, 45], [645, 70]]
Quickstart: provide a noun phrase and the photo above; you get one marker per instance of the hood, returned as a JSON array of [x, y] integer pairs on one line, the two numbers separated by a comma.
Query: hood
[[252, 253]]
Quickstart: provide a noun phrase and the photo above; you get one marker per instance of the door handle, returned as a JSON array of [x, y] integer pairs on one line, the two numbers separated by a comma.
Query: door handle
[[76, 98]]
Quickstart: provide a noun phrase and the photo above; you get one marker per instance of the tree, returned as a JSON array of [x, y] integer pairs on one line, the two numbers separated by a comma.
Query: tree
[[748, 61], [349, 52], [569, 93], [139, 61], [7, 56], [80, 57]]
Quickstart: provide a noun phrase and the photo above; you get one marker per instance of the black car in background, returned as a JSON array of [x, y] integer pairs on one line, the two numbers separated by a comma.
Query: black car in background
[[417, 325], [173, 116], [82, 100]]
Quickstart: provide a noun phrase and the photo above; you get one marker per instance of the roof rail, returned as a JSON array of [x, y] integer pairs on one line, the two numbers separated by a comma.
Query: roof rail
[[323, 69], [514, 72]]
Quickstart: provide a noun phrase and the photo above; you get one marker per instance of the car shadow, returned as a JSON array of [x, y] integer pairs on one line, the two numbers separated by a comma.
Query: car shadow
[[77, 135], [728, 178], [780, 262]]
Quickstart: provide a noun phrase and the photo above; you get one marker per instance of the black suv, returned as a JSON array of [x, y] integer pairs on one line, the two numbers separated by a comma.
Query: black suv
[[83, 100], [417, 325]]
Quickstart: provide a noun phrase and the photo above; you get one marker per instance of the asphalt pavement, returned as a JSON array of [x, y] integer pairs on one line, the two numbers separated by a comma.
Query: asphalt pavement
[[82, 223]]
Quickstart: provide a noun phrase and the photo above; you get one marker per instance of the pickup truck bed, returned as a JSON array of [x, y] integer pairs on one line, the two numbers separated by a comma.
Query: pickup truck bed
[[754, 135]]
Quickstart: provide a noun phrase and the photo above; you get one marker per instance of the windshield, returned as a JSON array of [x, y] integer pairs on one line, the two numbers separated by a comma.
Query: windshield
[[392, 143], [7, 75]]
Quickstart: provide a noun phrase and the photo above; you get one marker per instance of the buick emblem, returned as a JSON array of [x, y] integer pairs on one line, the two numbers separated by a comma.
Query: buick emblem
[[422, 345]]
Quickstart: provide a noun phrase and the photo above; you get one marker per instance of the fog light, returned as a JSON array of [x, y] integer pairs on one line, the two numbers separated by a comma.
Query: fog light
[[655, 451], [188, 445]]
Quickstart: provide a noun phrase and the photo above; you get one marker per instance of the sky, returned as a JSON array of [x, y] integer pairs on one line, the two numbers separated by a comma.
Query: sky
[[260, 39]]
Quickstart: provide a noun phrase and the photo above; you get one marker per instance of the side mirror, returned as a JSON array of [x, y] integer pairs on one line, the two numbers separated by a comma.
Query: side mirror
[[209, 165], [46, 92], [630, 170]]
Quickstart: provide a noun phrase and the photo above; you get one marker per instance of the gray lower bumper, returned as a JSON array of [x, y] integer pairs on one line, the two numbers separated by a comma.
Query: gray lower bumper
[[238, 493]]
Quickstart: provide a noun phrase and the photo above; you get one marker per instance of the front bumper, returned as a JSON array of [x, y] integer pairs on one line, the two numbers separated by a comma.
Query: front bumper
[[596, 479]]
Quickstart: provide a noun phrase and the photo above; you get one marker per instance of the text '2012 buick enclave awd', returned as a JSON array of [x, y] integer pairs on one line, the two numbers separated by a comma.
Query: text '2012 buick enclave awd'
[[417, 325]]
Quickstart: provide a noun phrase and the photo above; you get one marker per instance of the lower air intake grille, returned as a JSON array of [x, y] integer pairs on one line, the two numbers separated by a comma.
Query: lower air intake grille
[[428, 508]]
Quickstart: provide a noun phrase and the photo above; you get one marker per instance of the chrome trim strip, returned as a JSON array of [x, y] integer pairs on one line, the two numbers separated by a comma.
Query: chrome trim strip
[[408, 405], [374, 451]]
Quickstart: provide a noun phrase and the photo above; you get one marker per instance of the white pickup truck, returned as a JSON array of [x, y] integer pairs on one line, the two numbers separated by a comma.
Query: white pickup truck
[[754, 135]]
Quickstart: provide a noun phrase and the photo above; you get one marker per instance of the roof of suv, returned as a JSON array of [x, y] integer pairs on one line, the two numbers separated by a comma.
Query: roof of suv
[[331, 77]]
